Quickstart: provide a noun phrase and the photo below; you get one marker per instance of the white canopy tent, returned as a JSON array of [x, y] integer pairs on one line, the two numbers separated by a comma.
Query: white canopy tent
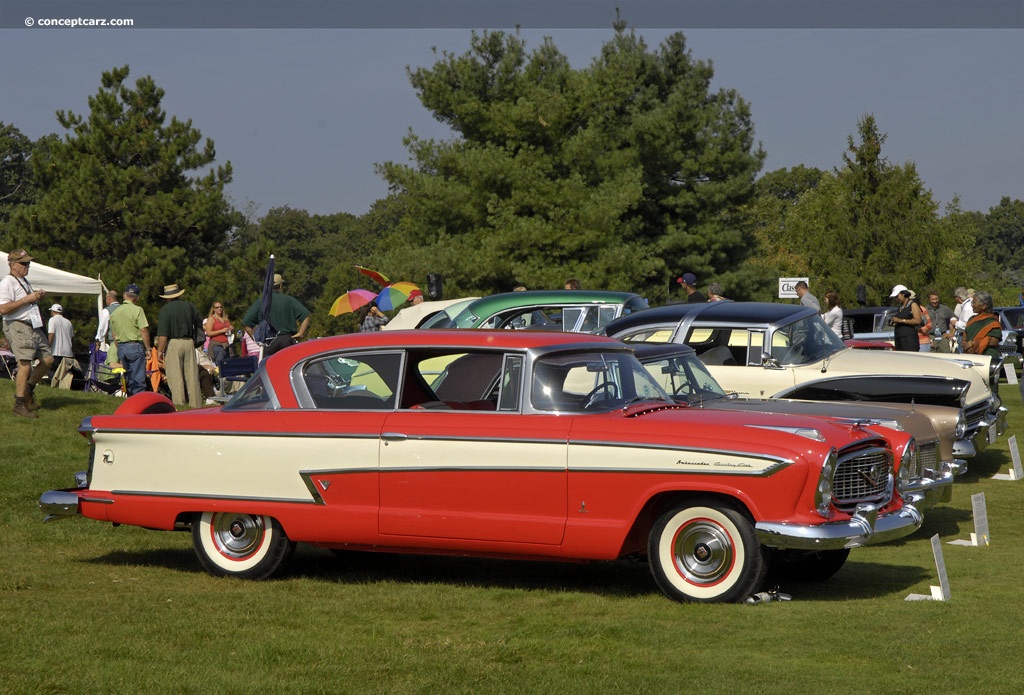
[[59, 282]]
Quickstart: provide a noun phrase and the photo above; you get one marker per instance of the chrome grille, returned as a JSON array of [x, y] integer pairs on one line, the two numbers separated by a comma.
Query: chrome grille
[[863, 475], [975, 415], [927, 459]]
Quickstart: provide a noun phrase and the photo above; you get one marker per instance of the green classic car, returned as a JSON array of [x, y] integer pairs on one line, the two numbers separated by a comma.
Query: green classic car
[[578, 311]]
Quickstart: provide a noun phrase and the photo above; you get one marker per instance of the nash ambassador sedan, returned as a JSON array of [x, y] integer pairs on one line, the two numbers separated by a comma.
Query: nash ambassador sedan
[[493, 443]]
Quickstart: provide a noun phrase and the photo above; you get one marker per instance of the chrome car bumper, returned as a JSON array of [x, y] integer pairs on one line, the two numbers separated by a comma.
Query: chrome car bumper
[[989, 429], [934, 487], [866, 527], [58, 504]]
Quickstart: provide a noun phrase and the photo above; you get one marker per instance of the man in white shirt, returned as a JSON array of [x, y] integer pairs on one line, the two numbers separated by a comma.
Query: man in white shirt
[[23, 326], [103, 331], [61, 334], [961, 315]]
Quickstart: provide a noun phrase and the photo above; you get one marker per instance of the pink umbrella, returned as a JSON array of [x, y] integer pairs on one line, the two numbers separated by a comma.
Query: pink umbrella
[[351, 301], [395, 294]]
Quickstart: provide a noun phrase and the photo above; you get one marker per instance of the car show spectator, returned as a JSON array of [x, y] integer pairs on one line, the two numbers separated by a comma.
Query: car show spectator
[[218, 329], [61, 335], [23, 327], [689, 283], [940, 315], [906, 320], [287, 317], [833, 314], [983, 330], [715, 292], [176, 331], [130, 330], [806, 298], [371, 318], [573, 284]]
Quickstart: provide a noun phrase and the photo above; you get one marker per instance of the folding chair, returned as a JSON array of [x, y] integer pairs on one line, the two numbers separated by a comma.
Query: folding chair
[[236, 369], [101, 378], [10, 365]]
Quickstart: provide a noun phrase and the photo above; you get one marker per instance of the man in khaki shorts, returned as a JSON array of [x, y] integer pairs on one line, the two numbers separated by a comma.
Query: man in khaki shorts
[[23, 326]]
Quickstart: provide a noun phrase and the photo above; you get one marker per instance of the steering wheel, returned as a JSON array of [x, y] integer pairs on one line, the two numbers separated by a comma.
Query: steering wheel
[[606, 389], [684, 389]]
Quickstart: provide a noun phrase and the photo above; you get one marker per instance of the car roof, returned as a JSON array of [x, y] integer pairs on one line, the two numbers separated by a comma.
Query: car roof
[[446, 338], [486, 306], [657, 351], [746, 313]]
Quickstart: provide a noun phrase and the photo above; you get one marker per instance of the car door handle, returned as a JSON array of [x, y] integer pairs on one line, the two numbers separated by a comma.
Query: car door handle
[[394, 437]]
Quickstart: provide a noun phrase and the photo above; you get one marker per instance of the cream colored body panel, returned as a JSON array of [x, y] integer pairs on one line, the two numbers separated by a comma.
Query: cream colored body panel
[[239, 466]]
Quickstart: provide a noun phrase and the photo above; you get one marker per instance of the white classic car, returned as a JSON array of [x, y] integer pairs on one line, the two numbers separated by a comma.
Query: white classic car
[[786, 351]]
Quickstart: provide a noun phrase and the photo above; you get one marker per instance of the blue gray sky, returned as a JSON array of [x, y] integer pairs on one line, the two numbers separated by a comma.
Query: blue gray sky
[[304, 113]]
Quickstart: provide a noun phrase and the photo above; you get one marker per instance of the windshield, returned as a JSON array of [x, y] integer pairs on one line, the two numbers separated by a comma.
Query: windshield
[[685, 378], [805, 341], [591, 382]]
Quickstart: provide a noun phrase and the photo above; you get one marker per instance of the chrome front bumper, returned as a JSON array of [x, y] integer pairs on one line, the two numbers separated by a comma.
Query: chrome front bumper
[[989, 429], [866, 527], [934, 487]]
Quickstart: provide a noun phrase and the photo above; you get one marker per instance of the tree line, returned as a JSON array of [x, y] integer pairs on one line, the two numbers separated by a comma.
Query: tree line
[[624, 174]]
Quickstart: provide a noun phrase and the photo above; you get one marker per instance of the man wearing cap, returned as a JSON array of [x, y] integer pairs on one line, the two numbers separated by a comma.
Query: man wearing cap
[[130, 330], [61, 333], [175, 341], [23, 326], [689, 283], [286, 312]]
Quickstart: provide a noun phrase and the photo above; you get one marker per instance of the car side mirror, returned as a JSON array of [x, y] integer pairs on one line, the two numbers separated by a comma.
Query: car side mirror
[[769, 362]]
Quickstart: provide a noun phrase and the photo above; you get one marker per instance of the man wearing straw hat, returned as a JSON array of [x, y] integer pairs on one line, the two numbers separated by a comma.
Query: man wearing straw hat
[[175, 344]]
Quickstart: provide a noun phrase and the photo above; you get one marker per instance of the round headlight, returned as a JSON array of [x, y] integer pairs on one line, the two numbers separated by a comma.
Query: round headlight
[[823, 493], [908, 467], [961, 426]]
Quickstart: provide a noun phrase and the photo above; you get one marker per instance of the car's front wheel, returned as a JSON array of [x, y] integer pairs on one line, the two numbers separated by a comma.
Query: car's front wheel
[[240, 545], [705, 550]]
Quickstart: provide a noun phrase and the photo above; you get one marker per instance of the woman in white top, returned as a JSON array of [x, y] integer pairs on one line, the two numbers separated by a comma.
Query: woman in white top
[[833, 315]]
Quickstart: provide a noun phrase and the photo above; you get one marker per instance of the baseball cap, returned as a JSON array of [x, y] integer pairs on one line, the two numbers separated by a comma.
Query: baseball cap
[[132, 288], [19, 256], [897, 289], [58, 308]]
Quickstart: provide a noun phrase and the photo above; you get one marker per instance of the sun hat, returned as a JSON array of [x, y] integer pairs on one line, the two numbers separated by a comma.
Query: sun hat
[[172, 291]]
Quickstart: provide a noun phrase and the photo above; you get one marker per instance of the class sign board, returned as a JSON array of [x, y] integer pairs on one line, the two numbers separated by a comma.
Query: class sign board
[[787, 287]]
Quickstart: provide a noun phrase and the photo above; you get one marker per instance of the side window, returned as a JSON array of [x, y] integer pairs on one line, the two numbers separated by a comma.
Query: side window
[[660, 334], [511, 383], [571, 318], [755, 348], [353, 382]]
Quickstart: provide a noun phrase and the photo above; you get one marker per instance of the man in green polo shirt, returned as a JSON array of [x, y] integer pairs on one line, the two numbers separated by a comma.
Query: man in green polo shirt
[[175, 333], [286, 312], [131, 336]]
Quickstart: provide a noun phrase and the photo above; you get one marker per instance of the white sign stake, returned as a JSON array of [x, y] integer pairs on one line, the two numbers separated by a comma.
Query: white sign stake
[[980, 535], [1011, 373], [940, 592], [1016, 473]]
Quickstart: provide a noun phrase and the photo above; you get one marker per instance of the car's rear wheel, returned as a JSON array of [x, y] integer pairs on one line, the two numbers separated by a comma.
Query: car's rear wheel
[[240, 545], [705, 550]]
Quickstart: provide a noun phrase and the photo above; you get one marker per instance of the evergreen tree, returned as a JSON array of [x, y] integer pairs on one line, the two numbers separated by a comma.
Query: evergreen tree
[[119, 194], [621, 174]]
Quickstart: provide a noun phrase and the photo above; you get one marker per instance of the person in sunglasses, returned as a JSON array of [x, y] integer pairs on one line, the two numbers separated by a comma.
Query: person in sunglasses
[[23, 327]]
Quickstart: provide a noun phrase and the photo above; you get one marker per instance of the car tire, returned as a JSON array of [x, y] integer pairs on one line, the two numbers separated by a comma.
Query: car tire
[[810, 567], [249, 546], [706, 551]]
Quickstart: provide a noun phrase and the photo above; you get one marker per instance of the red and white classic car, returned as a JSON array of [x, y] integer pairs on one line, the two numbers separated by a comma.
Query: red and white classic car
[[493, 443]]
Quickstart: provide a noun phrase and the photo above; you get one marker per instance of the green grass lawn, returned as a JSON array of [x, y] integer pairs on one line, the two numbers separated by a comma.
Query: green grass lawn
[[87, 608]]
